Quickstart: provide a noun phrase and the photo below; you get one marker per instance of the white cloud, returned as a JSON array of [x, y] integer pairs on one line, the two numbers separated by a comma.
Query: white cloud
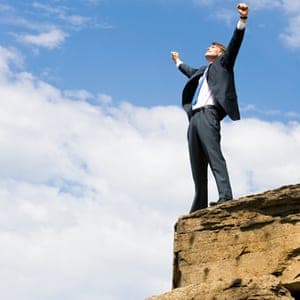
[[82, 95], [104, 98], [50, 39], [55, 10], [8, 57], [253, 4], [262, 154], [21, 22], [89, 194], [61, 12], [293, 114], [264, 4], [291, 8], [226, 15], [269, 112], [291, 36], [46, 25]]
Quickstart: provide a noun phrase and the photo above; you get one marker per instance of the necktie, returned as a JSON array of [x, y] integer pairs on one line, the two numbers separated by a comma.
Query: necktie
[[200, 83]]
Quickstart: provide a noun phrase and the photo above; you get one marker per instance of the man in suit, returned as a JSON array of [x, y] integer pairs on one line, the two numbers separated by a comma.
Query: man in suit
[[208, 96]]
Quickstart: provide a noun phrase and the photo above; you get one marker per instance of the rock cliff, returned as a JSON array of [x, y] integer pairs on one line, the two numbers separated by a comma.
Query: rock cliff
[[243, 249]]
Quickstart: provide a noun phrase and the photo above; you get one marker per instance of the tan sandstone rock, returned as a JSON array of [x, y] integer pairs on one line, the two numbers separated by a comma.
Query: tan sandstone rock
[[243, 249]]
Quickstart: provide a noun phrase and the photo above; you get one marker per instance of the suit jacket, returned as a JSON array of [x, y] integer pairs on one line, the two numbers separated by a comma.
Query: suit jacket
[[220, 79]]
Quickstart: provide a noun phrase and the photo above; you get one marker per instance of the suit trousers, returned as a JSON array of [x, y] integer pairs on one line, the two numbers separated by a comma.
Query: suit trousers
[[204, 140]]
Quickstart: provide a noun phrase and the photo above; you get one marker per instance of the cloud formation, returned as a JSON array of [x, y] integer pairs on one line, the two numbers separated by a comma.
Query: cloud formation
[[90, 191], [290, 35], [61, 13], [50, 39], [46, 25]]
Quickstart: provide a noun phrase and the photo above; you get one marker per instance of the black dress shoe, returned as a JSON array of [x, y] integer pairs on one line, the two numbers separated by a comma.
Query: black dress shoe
[[220, 201]]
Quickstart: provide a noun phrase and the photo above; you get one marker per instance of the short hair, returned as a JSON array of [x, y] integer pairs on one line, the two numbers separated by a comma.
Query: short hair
[[221, 46]]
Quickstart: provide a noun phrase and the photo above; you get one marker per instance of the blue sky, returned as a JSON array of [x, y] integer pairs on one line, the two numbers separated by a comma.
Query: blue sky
[[94, 167], [121, 48]]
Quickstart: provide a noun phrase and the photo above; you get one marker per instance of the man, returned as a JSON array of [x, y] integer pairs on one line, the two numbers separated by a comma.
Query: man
[[208, 96]]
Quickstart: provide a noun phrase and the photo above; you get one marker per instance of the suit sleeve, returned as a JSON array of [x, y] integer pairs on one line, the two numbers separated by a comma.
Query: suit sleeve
[[229, 57], [187, 70]]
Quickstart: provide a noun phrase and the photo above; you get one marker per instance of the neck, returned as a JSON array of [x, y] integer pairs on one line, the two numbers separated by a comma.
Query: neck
[[210, 59]]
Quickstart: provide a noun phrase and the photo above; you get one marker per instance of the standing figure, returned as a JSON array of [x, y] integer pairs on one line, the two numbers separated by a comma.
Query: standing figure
[[208, 96]]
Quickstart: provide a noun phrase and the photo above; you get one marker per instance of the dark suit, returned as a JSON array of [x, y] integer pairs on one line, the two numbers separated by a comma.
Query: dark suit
[[204, 127]]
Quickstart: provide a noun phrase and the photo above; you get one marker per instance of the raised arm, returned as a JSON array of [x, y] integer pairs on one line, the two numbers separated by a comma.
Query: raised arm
[[234, 45], [185, 69]]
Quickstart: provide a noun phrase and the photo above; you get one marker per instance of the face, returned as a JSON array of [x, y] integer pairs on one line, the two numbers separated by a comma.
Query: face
[[213, 52]]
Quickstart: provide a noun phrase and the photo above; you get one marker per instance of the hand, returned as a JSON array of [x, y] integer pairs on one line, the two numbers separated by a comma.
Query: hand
[[175, 56], [243, 9]]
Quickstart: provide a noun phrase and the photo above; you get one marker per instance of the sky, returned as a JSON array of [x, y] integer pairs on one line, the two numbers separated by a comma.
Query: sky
[[94, 161]]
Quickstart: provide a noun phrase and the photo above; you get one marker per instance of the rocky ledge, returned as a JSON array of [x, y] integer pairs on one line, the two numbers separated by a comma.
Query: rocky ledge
[[244, 249]]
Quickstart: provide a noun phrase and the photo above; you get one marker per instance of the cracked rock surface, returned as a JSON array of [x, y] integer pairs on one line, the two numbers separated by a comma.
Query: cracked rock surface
[[243, 249]]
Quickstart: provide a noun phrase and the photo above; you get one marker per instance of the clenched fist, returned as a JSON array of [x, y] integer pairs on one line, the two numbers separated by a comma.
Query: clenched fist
[[243, 10], [175, 56]]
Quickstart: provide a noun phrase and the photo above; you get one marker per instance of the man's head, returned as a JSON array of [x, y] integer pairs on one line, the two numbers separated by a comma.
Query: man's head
[[214, 50]]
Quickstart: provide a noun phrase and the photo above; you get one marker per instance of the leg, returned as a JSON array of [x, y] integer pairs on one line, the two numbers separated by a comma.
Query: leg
[[199, 168], [210, 135]]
